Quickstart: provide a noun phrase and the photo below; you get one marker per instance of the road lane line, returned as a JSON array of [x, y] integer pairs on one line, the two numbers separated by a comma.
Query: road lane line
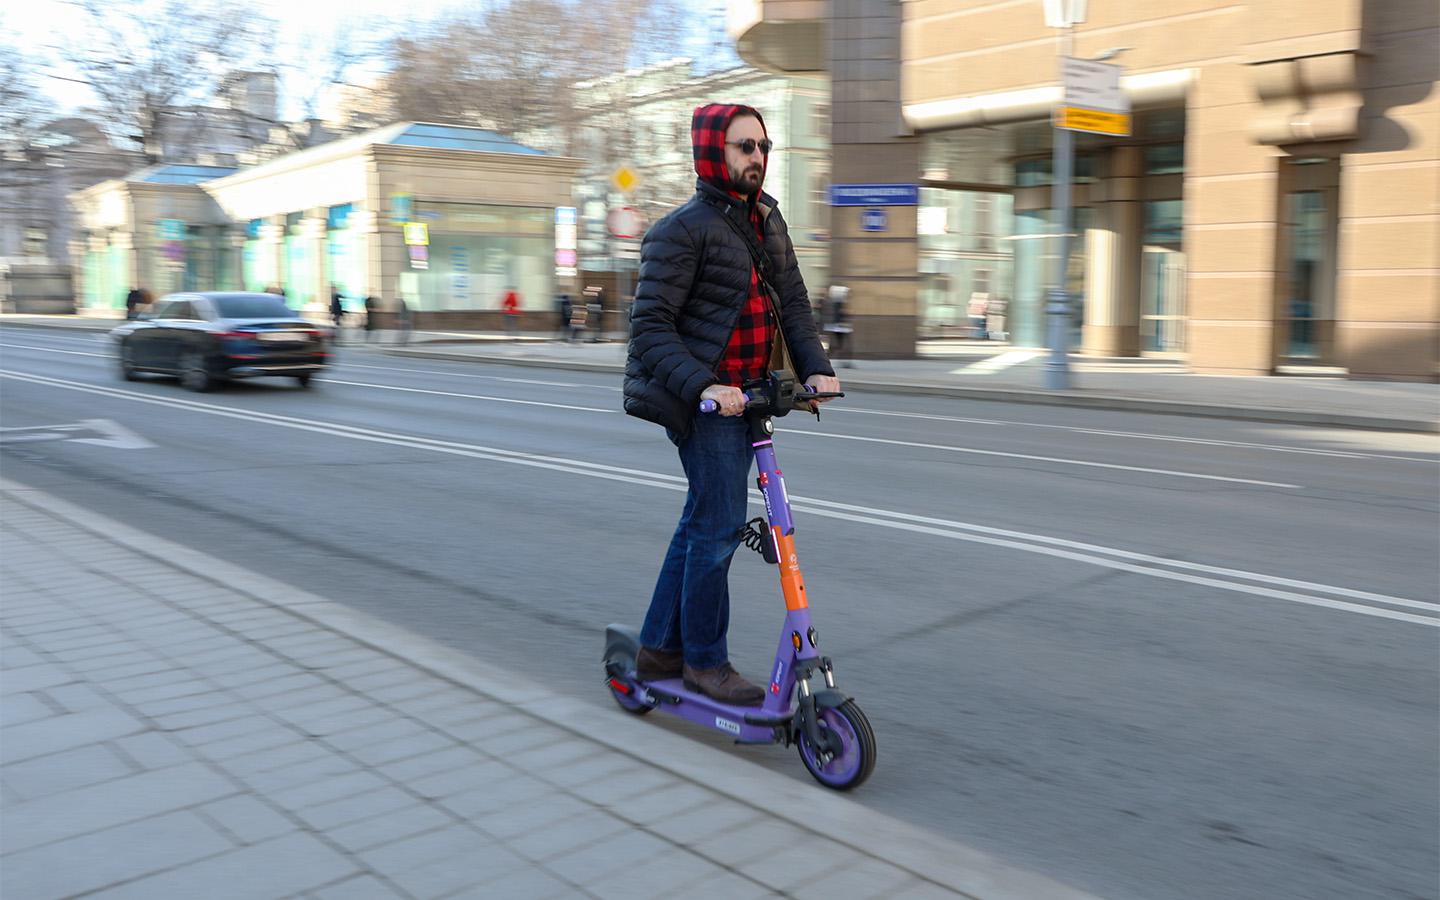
[[409, 390], [1047, 459], [1026, 543]]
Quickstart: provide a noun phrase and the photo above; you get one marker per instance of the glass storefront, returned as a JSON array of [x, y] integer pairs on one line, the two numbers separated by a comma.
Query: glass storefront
[[1162, 278], [965, 262], [1035, 249], [1311, 222], [478, 252]]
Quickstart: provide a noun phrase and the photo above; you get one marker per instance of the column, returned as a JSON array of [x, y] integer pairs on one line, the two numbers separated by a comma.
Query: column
[[1112, 298]]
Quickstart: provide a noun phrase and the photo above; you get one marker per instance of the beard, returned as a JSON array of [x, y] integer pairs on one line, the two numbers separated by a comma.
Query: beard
[[747, 180]]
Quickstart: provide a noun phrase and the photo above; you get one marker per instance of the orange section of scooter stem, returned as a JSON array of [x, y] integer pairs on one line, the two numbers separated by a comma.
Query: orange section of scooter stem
[[791, 584]]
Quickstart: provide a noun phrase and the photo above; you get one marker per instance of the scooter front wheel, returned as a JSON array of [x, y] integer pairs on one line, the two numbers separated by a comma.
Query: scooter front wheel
[[855, 760]]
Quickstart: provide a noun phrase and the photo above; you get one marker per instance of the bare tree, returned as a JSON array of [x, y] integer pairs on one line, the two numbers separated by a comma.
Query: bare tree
[[513, 67], [21, 105], [148, 61]]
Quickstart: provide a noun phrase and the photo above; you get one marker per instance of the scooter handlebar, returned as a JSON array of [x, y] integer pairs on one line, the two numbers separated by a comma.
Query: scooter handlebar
[[710, 406]]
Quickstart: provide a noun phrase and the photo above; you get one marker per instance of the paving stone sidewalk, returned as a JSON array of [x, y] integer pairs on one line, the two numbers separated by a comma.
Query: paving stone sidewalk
[[166, 735]]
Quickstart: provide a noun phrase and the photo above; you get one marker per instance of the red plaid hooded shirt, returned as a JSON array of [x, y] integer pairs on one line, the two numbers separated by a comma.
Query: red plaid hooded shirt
[[748, 353]]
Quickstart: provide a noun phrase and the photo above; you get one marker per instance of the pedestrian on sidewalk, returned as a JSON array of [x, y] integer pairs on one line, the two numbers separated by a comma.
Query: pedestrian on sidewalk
[[704, 322], [511, 306], [404, 321], [337, 311], [132, 303], [563, 307], [838, 327], [595, 315], [372, 306]]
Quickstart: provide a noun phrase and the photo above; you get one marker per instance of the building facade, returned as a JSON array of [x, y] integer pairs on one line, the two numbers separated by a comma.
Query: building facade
[[1277, 203], [336, 215], [640, 120]]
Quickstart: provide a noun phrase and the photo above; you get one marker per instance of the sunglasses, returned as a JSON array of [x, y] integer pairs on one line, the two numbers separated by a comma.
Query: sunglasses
[[748, 145]]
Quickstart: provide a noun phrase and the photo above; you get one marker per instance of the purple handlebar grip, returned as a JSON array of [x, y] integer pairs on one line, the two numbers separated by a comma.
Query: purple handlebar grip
[[708, 406]]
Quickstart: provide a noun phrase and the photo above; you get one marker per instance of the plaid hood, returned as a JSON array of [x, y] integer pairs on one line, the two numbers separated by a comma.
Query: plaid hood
[[707, 136]]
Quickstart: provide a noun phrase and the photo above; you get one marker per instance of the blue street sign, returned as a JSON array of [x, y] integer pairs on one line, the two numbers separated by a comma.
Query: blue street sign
[[874, 220], [874, 195]]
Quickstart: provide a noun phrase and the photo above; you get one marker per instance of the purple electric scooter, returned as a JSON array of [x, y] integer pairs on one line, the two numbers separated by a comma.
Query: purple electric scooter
[[833, 736]]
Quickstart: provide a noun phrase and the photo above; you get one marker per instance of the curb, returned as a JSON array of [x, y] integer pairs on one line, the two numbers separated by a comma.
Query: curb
[[1017, 395], [915, 850]]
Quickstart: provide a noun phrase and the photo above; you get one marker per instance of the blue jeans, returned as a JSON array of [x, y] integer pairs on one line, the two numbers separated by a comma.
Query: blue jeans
[[690, 608]]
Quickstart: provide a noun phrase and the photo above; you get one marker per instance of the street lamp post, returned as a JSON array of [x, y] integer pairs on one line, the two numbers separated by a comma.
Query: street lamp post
[[1064, 15]]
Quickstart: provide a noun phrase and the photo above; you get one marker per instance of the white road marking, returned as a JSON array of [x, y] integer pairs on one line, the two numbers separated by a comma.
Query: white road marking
[[1171, 473], [1110, 558], [387, 387], [57, 350], [997, 363]]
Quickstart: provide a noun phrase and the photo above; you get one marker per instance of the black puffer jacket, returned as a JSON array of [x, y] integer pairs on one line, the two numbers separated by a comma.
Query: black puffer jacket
[[694, 280]]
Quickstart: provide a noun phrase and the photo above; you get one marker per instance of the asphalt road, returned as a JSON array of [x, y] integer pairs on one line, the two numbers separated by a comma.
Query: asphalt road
[[1153, 657]]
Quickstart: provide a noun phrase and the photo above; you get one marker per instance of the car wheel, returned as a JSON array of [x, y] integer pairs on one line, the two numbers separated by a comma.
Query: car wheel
[[194, 374], [303, 379], [127, 363]]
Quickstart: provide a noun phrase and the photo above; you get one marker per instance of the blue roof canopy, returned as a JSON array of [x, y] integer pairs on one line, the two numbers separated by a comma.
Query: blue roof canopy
[[180, 174], [457, 137]]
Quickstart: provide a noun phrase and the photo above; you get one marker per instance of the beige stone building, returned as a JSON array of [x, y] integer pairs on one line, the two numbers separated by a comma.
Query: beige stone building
[[335, 215], [1277, 203]]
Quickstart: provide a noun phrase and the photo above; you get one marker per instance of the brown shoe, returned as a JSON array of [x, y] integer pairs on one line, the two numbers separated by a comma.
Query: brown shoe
[[653, 665], [725, 684]]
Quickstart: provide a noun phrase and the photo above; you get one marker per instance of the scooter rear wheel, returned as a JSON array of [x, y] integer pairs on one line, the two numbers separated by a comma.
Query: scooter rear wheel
[[624, 692], [850, 767]]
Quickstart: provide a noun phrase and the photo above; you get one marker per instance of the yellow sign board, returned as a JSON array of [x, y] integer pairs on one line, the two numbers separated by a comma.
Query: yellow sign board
[[1093, 121], [625, 179], [417, 234]]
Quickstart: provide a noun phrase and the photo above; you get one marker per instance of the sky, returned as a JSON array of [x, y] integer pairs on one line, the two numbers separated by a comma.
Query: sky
[[41, 23]]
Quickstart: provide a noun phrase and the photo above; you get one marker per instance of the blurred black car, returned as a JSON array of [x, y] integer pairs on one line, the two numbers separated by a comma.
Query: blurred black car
[[205, 338]]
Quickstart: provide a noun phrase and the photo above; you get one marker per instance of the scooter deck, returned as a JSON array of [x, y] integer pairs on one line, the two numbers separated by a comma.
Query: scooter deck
[[748, 724]]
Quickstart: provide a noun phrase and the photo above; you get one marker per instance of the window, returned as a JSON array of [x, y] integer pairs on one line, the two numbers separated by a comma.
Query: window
[[1165, 159], [820, 120], [820, 198], [257, 307], [981, 283]]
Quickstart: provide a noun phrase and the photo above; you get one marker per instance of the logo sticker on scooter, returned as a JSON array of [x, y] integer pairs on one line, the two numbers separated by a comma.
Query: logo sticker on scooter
[[775, 680], [732, 727]]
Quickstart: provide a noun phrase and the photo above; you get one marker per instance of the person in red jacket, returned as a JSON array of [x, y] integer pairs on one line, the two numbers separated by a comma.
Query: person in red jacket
[[511, 305]]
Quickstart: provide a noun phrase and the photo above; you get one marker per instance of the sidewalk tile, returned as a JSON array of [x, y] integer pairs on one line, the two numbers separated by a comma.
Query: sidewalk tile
[[752, 841], [324, 790], [515, 789], [730, 886], [353, 809], [532, 884], [864, 878], [691, 827], [435, 762], [33, 678], [567, 835], [390, 826], [364, 887], [173, 690], [924, 890], [408, 690], [645, 807], [554, 756], [229, 730], [264, 761], [78, 697], [483, 775], [207, 700], [206, 716], [153, 750], [21, 708], [65, 771], [364, 717], [16, 657], [107, 674], [593, 862], [611, 788], [605, 765], [516, 743], [488, 865], [247, 818], [387, 678], [797, 862], [450, 842], [402, 747], [269, 738], [507, 824], [87, 863], [658, 877], [305, 772], [279, 867], [389, 729], [63, 816], [66, 732]]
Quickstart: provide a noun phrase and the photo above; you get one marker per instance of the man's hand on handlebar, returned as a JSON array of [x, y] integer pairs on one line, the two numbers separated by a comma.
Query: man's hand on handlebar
[[822, 384], [730, 400]]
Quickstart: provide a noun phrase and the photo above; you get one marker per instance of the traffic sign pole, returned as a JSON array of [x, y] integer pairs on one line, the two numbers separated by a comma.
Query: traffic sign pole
[[1057, 307]]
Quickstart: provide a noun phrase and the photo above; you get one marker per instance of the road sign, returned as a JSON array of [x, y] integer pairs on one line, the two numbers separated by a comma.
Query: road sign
[[874, 220], [625, 222], [564, 215], [874, 195], [419, 256], [565, 257], [1094, 102], [417, 234], [625, 179]]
